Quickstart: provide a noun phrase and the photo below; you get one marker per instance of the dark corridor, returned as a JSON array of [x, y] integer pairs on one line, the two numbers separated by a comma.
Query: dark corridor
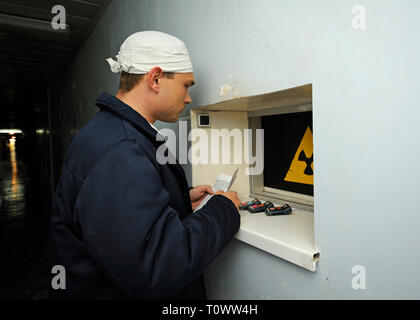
[[34, 56], [24, 235]]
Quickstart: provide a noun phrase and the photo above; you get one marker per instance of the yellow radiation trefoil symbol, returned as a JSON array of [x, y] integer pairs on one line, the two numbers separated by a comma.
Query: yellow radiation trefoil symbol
[[301, 169]]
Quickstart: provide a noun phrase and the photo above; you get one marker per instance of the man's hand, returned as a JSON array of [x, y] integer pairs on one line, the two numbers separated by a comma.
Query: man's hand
[[232, 196], [198, 193]]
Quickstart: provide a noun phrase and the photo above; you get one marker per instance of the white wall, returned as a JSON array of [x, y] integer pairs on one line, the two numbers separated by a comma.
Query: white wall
[[365, 126]]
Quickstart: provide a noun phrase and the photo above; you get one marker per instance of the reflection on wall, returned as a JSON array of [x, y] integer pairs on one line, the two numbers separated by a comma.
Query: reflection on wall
[[14, 182]]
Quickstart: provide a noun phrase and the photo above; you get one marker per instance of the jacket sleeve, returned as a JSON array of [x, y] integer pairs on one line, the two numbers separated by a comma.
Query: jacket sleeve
[[135, 236]]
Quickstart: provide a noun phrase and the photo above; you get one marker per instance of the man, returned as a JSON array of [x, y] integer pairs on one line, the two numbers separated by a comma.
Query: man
[[122, 224]]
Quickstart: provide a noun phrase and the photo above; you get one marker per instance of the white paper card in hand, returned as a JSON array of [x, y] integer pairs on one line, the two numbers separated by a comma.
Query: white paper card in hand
[[222, 183]]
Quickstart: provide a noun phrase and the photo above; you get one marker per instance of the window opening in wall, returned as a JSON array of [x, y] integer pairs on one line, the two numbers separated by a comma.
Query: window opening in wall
[[288, 174]]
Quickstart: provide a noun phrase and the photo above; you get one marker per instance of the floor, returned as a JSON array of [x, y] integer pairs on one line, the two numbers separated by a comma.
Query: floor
[[24, 251]]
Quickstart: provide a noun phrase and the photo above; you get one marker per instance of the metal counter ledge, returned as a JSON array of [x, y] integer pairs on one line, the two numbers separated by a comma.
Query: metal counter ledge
[[290, 237]]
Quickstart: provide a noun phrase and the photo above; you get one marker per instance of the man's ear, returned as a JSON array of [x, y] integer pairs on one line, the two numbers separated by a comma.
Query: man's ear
[[153, 78]]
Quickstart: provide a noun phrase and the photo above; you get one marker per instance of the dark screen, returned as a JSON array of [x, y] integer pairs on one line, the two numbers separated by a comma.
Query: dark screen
[[282, 136]]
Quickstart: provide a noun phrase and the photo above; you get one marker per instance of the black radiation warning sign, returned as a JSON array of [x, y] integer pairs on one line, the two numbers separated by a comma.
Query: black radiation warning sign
[[288, 152]]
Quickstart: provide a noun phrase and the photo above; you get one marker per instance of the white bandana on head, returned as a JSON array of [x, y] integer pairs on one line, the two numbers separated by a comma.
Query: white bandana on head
[[144, 50]]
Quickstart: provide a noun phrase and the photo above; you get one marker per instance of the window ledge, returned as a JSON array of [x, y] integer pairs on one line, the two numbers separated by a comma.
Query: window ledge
[[290, 237]]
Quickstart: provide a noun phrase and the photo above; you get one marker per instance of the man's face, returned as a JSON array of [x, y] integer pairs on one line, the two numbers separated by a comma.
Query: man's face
[[174, 96]]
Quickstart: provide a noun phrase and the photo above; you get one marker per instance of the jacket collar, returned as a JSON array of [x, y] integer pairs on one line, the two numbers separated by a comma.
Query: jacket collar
[[114, 105]]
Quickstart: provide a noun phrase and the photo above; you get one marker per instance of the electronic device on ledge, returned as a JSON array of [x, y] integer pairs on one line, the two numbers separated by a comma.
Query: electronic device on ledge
[[245, 205], [260, 207], [280, 210]]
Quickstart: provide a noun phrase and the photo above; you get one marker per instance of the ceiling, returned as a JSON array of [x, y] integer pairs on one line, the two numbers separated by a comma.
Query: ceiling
[[32, 51]]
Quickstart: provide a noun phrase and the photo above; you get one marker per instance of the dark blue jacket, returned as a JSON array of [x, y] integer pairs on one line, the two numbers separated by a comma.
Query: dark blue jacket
[[122, 224]]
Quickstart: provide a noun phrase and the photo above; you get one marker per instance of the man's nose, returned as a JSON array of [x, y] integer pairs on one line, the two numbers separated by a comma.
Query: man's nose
[[188, 99]]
